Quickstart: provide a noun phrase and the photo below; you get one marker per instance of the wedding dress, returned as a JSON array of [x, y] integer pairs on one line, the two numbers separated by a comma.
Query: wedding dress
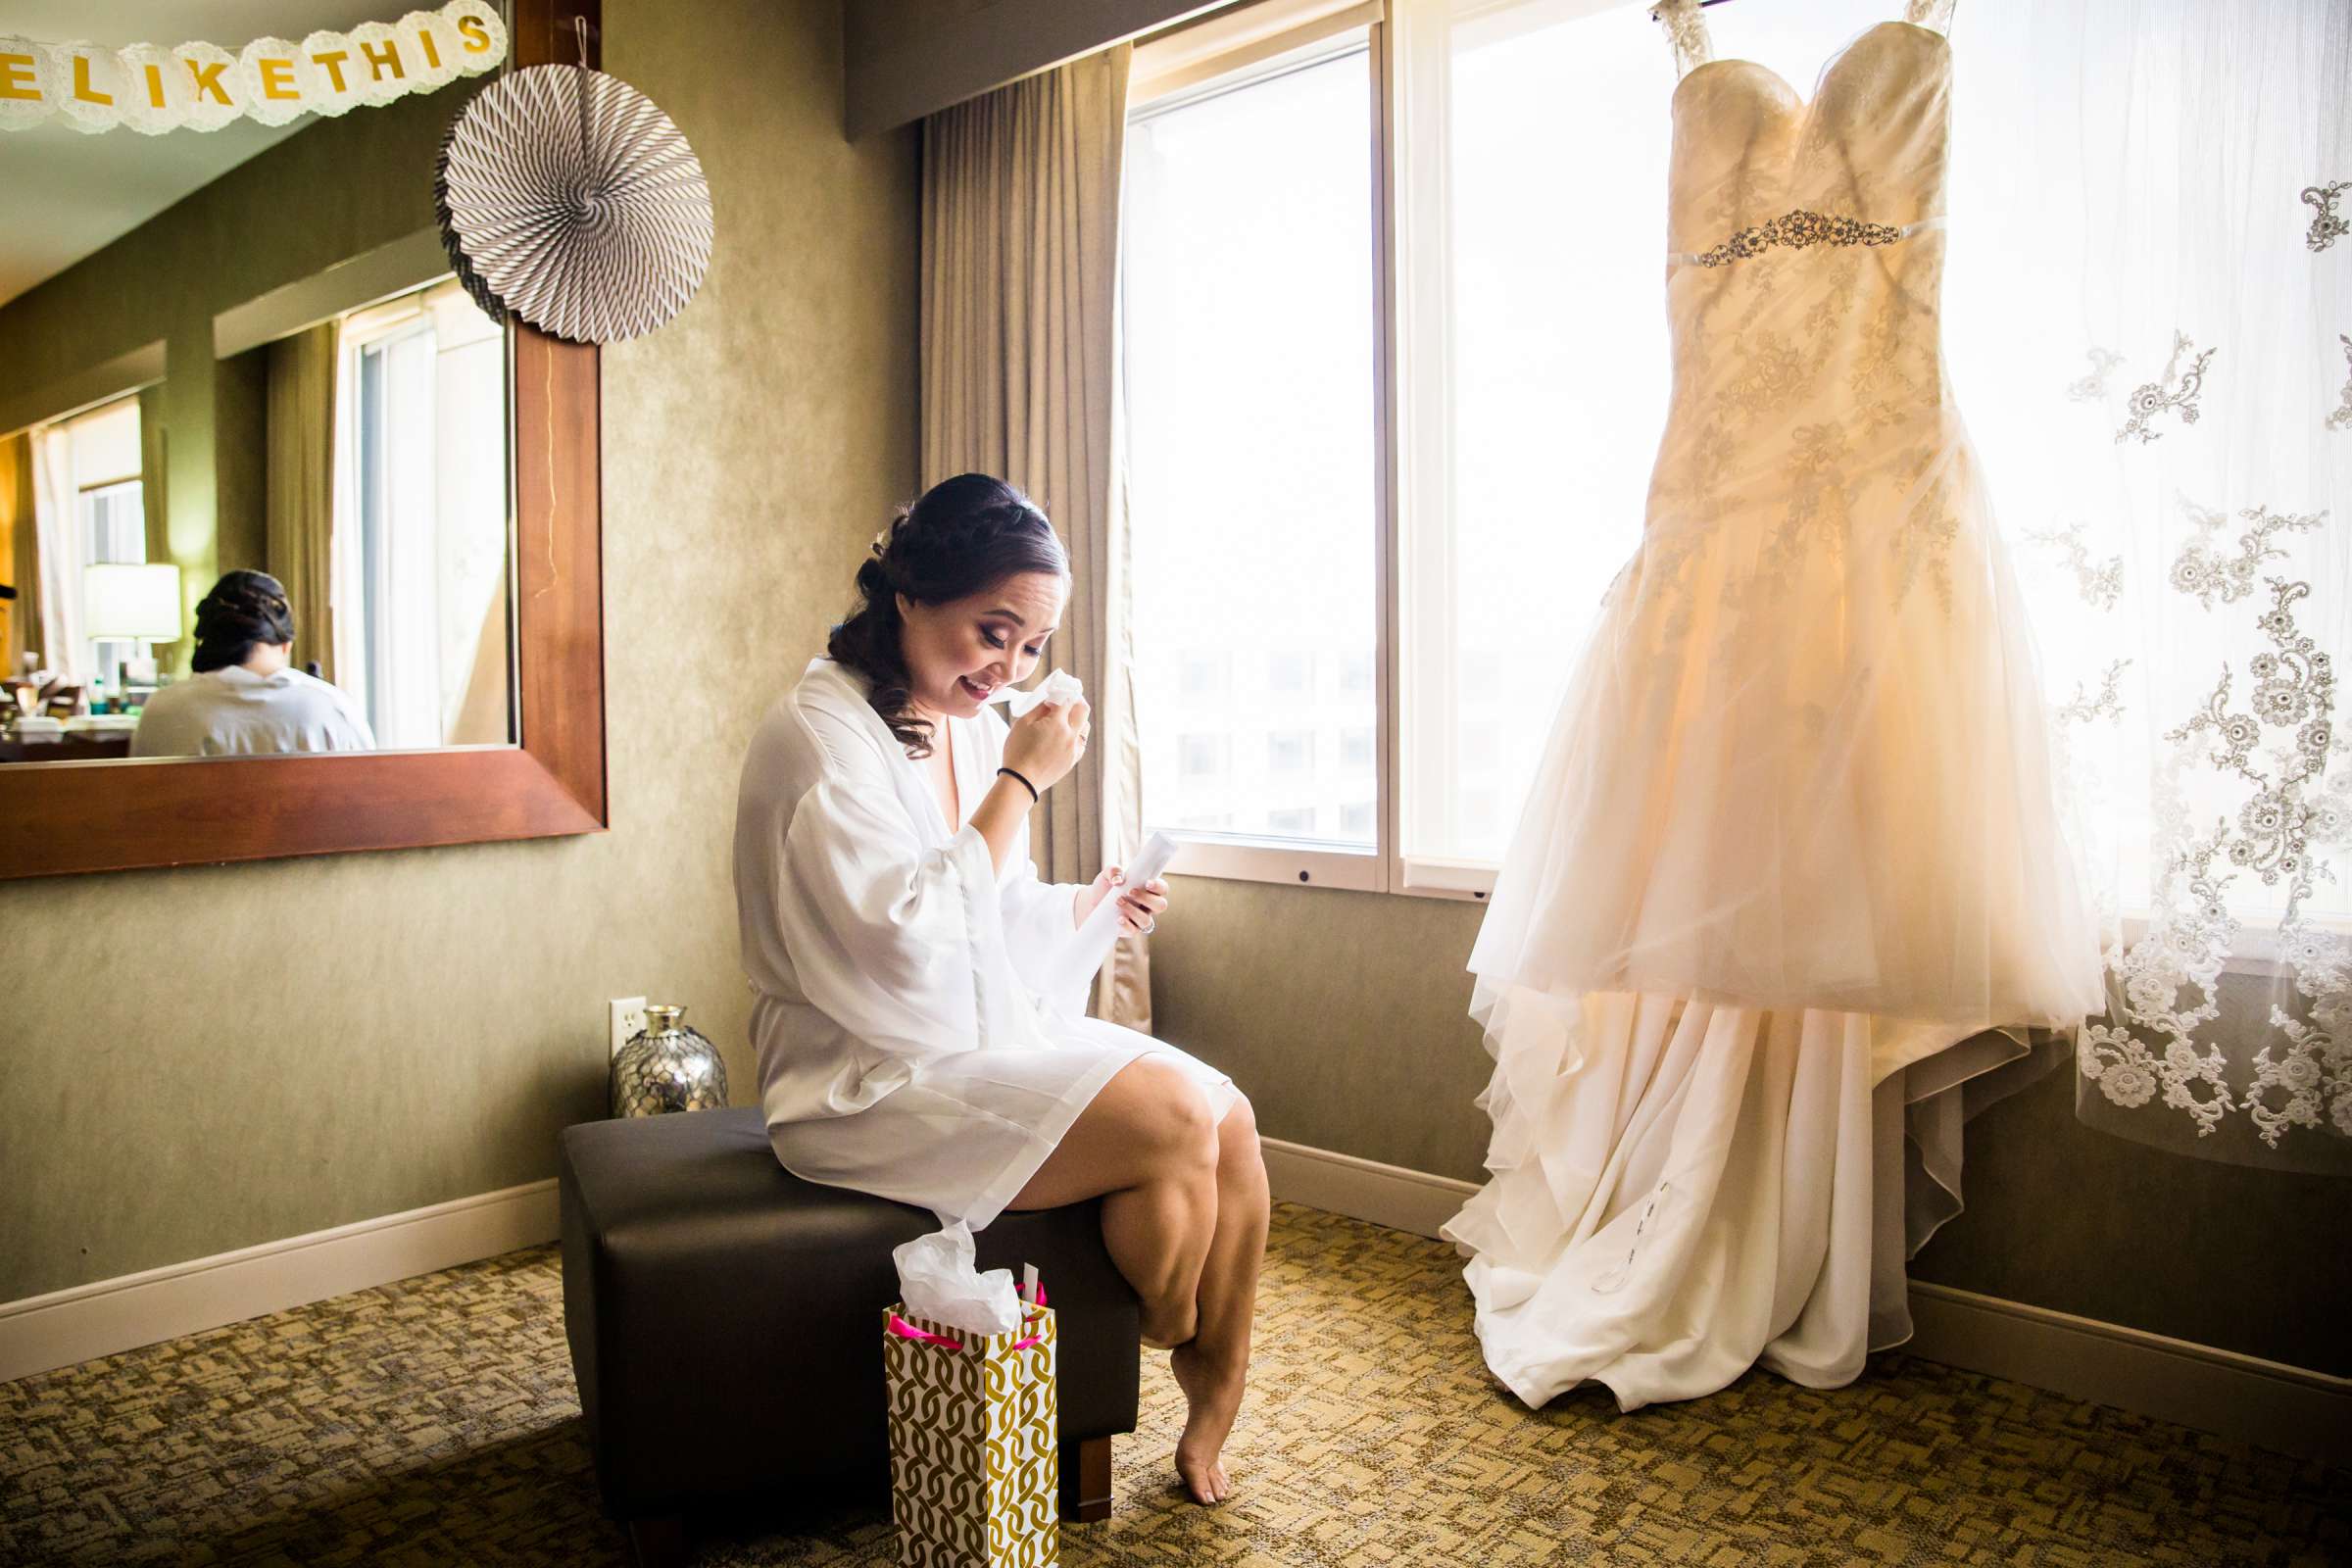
[[1795, 844]]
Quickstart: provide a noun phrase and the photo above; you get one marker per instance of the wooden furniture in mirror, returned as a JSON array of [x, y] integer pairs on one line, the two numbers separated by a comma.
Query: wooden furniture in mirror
[[73, 815]]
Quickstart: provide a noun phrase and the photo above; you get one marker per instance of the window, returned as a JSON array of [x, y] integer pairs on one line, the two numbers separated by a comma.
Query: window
[[1207, 677], [1202, 755], [1288, 358], [1248, 334], [421, 527], [109, 518]]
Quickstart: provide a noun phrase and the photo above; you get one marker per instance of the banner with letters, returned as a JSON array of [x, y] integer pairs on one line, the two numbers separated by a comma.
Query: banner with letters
[[202, 86]]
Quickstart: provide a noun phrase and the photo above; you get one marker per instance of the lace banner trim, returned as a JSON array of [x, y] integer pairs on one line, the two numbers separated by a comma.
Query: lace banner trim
[[1799, 230]]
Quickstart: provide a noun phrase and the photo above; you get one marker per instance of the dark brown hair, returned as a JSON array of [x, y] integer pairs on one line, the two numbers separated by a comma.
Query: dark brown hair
[[243, 609], [960, 537]]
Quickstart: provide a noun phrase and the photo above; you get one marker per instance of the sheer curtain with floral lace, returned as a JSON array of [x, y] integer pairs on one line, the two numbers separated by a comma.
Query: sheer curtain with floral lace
[[2149, 319]]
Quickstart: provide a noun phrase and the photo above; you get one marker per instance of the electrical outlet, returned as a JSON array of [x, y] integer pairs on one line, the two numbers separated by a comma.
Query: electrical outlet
[[628, 1020]]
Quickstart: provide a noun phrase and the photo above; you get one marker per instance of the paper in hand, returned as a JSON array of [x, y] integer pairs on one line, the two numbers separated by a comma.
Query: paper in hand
[[1073, 968]]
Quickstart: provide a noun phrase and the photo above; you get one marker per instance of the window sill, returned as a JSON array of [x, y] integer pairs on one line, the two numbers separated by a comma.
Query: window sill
[[1311, 864]]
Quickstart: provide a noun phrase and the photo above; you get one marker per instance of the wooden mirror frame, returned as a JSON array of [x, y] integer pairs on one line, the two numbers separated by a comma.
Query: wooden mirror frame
[[112, 815]]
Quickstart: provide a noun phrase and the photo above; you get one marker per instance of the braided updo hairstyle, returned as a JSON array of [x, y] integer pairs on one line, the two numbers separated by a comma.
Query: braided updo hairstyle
[[243, 609], [962, 536]]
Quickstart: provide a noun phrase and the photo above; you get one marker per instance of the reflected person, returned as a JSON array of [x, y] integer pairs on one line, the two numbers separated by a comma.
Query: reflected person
[[245, 698]]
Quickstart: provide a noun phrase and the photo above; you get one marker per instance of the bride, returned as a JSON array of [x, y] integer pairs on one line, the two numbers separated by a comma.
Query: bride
[[895, 934]]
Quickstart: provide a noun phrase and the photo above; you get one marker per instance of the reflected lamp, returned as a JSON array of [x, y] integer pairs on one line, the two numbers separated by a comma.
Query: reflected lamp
[[130, 601]]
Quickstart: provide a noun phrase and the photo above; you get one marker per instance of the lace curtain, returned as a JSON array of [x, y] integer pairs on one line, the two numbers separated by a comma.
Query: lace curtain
[[2149, 322]]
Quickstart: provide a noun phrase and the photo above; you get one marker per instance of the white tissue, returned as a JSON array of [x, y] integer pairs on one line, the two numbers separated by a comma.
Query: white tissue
[[936, 1282], [1061, 686]]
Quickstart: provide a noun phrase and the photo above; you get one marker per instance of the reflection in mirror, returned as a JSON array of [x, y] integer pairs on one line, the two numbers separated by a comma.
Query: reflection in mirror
[[255, 487]]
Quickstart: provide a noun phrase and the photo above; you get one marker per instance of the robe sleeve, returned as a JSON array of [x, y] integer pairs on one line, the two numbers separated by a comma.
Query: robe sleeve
[[1039, 917], [899, 944]]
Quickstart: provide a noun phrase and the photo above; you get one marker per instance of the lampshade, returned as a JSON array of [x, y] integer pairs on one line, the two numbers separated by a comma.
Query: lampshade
[[118, 601]]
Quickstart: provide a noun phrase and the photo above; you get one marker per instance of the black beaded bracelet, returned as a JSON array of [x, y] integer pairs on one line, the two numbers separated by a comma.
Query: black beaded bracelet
[[1025, 784]]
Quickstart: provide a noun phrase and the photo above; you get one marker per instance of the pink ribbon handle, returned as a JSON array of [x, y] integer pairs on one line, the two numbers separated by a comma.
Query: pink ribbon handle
[[907, 1331]]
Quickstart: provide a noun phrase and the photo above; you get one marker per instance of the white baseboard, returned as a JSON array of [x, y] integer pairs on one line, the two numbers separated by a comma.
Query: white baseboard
[[43, 1332], [2289, 1409], [1363, 1189]]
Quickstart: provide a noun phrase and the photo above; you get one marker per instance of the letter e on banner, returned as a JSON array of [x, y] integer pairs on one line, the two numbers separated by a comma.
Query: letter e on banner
[[25, 79], [273, 75]]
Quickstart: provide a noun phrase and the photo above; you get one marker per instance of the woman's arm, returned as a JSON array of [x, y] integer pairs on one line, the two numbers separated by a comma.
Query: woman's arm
[[999, 816]]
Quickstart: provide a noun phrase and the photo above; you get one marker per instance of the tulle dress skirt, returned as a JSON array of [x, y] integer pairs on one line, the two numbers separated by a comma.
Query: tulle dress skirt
[[1793, 890]]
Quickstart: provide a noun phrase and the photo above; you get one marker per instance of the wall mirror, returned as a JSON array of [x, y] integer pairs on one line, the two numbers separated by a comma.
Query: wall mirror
[[237, 361]]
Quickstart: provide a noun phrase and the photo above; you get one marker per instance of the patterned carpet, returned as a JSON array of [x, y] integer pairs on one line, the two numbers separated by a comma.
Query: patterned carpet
[[434, 1422]]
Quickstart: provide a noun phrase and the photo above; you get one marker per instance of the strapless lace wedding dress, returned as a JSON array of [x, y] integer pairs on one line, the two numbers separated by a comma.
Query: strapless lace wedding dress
[[1794, 849]]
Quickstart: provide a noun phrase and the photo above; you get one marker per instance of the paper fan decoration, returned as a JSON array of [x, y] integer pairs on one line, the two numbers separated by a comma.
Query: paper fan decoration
[[568, 199]]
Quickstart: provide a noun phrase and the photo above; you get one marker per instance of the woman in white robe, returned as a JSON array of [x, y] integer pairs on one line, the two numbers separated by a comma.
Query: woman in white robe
[[898, 939]]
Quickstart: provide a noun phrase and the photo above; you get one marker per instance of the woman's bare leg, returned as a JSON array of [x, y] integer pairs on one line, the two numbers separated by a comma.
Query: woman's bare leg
[[1146, 1145], [1214, 1365]]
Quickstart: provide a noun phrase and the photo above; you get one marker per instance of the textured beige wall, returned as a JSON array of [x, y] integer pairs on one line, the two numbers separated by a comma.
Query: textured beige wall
[[1343, 1016], [202, 1059]]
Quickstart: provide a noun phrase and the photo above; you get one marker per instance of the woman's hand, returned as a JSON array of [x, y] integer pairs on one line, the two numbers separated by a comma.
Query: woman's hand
[[1139, 907], [1045, 741]]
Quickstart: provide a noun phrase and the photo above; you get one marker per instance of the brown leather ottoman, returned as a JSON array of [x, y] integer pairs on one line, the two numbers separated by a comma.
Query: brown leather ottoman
[[724, 1318]]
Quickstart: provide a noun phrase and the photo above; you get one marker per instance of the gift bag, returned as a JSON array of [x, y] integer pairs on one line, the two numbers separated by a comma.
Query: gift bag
[[974, 1462]]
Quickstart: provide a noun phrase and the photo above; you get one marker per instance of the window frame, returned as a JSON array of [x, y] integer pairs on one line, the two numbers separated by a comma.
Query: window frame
[[1260, 41]]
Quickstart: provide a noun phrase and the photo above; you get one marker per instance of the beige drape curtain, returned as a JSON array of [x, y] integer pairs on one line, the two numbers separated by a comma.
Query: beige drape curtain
[[1019, 354], [20, 541], [301, 486]]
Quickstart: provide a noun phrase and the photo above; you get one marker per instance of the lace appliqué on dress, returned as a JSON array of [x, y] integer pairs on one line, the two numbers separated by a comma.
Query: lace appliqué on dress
[[1935, 14], [1798, 229], [1686, 33]]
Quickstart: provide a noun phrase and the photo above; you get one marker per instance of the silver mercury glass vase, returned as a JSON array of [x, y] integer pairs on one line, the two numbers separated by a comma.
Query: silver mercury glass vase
[[667, 1066]]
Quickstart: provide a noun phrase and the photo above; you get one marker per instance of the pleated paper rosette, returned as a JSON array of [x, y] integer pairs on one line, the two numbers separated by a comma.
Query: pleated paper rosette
[[569, 200]]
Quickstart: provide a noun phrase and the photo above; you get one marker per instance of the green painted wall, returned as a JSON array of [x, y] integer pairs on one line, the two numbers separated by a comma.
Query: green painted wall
[[1343, 1016], [198, 1060]]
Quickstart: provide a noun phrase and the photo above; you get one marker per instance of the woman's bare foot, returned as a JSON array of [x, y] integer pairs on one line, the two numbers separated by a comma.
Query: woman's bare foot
[[1213, 1394]]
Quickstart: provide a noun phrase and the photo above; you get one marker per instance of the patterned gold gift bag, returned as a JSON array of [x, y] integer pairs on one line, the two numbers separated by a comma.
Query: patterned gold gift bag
[[974, 1466]]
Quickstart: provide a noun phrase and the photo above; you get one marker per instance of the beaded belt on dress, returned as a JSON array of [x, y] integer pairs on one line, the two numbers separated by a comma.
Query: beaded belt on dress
[[1798, 230]]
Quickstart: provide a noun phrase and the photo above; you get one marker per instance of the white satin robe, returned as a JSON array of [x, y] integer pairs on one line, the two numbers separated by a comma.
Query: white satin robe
[[903, 1047]]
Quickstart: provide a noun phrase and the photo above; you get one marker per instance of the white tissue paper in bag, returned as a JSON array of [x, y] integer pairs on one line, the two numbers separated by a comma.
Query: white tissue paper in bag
[[937, 1281], [1058, 687]]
